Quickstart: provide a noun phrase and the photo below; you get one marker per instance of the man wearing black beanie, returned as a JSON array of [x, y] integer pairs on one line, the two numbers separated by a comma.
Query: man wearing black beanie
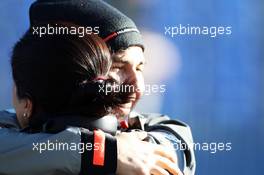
[[115, 28], [125, 42]]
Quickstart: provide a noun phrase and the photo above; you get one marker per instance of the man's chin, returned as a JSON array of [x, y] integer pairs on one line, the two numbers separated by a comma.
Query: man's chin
[[123, 110]]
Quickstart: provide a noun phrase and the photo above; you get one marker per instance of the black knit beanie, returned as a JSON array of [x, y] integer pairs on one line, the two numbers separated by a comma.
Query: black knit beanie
[[115, 28]]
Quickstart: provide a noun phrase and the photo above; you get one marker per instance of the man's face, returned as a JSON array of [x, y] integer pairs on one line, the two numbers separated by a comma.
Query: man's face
[[128, 66]]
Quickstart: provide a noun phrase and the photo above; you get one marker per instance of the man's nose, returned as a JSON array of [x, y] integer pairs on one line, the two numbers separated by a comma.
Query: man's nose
[[132, 78], [135, 80]]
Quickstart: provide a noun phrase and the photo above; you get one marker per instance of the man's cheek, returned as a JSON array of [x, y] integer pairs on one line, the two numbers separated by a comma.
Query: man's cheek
[[140, 85], [119, 75]]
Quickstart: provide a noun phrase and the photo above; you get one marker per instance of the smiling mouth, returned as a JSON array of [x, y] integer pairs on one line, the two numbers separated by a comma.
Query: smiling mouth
[[125, 108]]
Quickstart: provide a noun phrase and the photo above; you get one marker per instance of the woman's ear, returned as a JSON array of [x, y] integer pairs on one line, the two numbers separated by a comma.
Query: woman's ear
[[24, 112], [23, 108], [28, 107]]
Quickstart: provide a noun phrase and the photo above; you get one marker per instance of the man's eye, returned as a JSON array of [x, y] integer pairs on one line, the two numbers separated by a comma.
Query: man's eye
[[140, 68], [116, 68]]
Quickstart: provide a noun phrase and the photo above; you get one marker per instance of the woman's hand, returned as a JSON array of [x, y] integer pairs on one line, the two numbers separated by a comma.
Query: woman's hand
[[137, 157]]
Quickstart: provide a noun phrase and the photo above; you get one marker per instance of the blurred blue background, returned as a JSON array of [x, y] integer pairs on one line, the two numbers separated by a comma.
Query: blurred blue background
[[218, 86]]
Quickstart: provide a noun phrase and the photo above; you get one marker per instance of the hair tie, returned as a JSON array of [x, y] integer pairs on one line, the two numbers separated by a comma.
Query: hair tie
[[100, 78]]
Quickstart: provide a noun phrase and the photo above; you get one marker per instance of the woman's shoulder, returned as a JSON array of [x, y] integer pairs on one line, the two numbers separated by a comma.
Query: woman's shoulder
[[8, 119]]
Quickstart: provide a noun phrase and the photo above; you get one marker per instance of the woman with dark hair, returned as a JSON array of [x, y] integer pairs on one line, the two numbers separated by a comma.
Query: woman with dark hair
[[60, 82], [62, 75]]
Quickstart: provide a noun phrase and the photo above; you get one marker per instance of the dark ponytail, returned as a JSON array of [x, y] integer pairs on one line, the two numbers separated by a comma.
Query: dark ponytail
[[59, 73]]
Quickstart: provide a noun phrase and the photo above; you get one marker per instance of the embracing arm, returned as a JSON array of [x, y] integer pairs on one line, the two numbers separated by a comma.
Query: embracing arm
[[65, 152], [26, 154], [172, 134]]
